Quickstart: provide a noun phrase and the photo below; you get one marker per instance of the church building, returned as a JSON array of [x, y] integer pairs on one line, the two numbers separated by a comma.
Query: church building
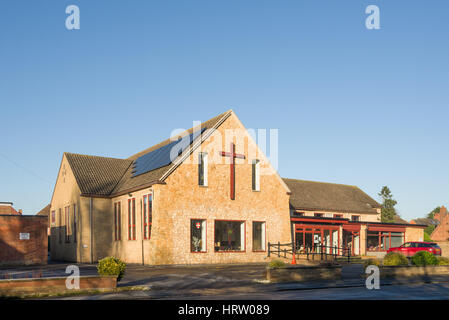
[[209, 195]]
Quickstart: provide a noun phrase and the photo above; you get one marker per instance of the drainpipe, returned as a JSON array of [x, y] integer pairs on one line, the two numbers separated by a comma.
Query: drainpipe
[[91, 231]]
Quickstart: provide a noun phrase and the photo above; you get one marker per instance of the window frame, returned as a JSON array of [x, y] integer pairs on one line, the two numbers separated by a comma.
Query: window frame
[[205, 227], [60, 224], [381, 235], [255, 175], [244, 238], [132, 218], [117, 221], [74, 223], [338, 215], [203, 164], [147, 210], [355, 215], [265, 235], [67, 223]]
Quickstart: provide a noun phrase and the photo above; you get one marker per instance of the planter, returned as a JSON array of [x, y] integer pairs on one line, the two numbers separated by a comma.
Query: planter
[[55, 284], [412, 271], [303, 273]]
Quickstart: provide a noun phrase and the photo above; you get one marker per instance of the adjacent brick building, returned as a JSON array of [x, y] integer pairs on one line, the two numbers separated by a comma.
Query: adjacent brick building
[[215, 199], [441, 232], [23, 239], [7, 208]]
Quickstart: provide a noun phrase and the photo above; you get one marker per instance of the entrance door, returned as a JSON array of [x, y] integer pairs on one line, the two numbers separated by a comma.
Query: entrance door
[[351, 242]]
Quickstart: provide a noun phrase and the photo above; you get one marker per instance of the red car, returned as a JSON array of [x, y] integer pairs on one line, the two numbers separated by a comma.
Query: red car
[[409, 249]]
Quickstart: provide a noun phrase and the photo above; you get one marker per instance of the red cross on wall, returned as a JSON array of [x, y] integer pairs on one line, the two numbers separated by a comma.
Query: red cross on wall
[[232, 155]]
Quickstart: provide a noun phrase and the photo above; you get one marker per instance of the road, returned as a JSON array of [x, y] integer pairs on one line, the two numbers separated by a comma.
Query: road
[[224, 282]]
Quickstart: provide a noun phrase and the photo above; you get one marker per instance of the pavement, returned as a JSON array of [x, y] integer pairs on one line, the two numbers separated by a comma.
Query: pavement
[[247, 281]]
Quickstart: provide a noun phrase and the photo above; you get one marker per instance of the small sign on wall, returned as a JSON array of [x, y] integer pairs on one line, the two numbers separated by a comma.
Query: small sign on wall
[[24, 236]]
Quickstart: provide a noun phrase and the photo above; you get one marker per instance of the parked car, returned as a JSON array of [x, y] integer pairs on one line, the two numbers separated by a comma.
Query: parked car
[[409, 249]]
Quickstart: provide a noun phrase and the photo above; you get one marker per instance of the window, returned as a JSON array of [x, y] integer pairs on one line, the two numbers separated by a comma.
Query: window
[[355, 218], [298, 214], [74, 223], [256, 175], [198, 235], [407, 245], [117, 221], [338, 216], [53, 217], [147, 215], [383, 240], [202, 169], [258, 236], [67, 223], [229, 236], [60, 224], [132, 219], [396, 239], [318, 215]]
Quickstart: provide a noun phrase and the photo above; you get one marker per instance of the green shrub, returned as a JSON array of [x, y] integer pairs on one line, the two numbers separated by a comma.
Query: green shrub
[[443, 261], [111, 266], [371, 262], [276, 264], [395, 259], [424, 258]]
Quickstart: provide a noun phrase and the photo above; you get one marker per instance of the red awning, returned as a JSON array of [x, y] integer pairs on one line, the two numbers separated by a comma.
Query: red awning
[[386, 228]]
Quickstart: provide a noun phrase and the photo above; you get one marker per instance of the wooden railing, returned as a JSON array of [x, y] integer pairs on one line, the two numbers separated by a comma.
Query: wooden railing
[[286, 250]]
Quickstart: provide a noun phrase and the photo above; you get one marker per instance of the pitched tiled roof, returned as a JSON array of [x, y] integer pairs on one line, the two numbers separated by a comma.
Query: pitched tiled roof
[[45, 211], [128, 182], [425, 221], [97, 175], [398, 219], [102, 176], [311, 195]]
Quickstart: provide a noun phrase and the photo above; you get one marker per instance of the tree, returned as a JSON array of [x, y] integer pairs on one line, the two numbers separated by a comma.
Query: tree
[[431, 214], [388, 203]]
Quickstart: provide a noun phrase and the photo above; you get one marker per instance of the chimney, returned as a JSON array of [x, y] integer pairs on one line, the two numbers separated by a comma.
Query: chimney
[[443, 210], [20, 211]]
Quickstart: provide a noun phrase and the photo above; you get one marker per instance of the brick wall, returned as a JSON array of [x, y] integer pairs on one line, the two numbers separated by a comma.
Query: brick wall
[[14, 251]]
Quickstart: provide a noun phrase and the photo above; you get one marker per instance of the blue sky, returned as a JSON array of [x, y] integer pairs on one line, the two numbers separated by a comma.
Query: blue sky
[[352, 105]]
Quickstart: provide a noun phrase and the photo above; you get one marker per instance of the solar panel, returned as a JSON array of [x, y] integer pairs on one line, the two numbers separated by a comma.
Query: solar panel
[[164, 155]]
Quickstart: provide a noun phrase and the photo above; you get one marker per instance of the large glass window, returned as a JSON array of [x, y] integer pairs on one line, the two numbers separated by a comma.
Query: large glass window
[[229, 236], [258, 236], [383, 240], [198, 235], [372, 241], [397, 239]]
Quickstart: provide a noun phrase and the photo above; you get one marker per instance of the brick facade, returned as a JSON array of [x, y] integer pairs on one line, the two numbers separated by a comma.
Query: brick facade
[[177, 199], [14, 251], [441, 232]]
